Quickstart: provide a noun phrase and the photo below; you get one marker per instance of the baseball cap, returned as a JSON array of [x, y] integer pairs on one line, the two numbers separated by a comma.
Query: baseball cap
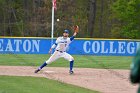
[[66, 31]]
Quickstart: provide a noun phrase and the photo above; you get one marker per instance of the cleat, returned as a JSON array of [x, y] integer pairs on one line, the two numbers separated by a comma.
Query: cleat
[[71, 72], [36, 71]]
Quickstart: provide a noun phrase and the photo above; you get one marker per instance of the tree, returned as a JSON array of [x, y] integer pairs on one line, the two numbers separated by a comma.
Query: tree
[[101, 18], [91, 17], [127, 16]]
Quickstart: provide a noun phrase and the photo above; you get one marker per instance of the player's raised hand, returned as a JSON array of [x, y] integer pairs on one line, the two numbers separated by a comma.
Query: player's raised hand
[[76, 30]]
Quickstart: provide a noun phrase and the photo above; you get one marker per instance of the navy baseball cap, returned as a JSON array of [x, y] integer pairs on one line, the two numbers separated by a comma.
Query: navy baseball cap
[[66, 31]]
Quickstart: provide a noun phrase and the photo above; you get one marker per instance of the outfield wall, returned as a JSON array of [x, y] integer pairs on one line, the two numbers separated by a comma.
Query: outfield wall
[[106, 47]]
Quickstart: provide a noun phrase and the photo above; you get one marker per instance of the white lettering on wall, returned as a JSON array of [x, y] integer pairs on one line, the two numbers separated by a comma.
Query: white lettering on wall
[[103, 47], [112, 50], [95, 47], [86, 46], [27, 45], [1, 44], [111, 47], [35, 45], [121, 47], [130, 48], [18, 44], [9, 46]]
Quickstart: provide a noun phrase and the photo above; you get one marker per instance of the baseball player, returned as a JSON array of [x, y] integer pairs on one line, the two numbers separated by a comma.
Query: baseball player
[[135, 69], [60, 46]]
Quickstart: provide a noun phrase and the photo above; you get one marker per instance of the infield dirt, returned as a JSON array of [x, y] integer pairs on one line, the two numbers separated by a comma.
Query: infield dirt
[[103, 80]]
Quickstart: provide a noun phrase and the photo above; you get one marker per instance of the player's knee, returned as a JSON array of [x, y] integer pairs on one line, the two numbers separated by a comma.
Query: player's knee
[[48, 62], [71, 59]]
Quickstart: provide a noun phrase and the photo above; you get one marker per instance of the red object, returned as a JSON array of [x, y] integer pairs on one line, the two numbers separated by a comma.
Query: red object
[[54, 4]]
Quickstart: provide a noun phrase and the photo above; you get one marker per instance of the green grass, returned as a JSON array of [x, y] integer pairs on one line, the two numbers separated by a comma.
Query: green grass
[[109, 62], [13, 84]]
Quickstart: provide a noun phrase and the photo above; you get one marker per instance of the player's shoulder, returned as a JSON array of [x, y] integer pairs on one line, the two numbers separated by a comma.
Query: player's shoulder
[[68, 38], [60, 37]]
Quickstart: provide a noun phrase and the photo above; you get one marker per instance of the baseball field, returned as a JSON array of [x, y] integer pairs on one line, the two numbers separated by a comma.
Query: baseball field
[[83, 61], [106, 74]]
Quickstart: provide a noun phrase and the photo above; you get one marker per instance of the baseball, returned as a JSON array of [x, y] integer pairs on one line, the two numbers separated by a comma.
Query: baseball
[[58, 20]]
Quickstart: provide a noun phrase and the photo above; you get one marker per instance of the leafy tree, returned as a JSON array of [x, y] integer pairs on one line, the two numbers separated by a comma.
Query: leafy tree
[[126, 16]]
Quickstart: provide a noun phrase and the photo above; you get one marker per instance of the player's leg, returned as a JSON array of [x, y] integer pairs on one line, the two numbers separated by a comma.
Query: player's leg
[[70, 59], [50, 60]]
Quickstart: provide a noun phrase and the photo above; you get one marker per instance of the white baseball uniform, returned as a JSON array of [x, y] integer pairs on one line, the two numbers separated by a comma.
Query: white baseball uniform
[[61, 46]]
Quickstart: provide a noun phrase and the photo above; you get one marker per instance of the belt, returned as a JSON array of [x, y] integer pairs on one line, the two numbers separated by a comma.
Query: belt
[[60, 51]]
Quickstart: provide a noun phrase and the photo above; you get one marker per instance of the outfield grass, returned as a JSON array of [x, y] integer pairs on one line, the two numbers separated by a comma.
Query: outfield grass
[[113, 62], [13, 84]]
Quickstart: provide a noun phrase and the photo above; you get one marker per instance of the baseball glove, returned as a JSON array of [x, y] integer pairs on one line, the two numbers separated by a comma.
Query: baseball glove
[[76, 28]]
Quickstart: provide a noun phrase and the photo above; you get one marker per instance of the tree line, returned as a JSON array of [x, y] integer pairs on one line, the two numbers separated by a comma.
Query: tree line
[[96, 18]]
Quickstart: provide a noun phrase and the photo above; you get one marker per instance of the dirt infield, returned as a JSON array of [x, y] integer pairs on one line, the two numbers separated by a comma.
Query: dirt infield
[[103, 80]]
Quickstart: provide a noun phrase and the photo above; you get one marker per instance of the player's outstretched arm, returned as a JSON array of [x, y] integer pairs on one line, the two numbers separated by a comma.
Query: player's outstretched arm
[[74, 34], [76, 30]]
